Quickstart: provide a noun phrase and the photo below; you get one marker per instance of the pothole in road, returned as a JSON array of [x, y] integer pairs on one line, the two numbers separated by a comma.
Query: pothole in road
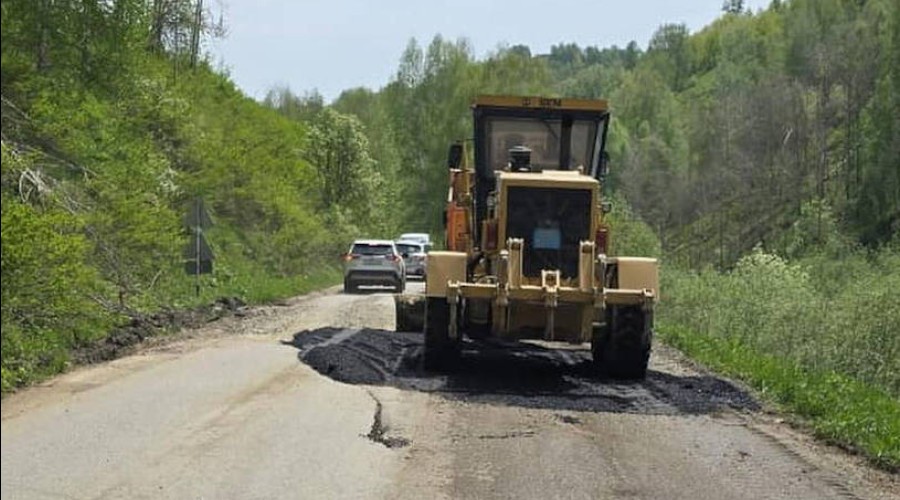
[[516, 374]]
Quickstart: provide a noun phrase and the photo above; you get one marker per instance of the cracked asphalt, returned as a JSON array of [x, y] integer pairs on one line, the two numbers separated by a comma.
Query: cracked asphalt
[[320, 398]]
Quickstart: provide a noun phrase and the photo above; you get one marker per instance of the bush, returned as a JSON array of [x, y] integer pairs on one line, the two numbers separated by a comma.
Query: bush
[[46, 293], [629, 235], [790, 310]]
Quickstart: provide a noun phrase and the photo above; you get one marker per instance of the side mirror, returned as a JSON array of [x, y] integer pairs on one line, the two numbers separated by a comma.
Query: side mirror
[[603, 167], [606, 207], [455, 155]]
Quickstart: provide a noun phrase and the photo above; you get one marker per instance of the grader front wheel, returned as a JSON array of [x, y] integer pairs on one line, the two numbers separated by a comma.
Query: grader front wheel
[[441, 352], [621, 346]]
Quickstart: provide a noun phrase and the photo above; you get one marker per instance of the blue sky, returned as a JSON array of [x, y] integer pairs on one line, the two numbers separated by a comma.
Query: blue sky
[[332, 45]]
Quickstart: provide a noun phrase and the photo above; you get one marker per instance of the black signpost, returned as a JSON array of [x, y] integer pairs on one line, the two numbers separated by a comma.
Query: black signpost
[[198, 254]]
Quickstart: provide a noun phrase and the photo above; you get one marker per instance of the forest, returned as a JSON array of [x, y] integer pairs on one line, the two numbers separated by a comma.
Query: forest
[[758, 158]]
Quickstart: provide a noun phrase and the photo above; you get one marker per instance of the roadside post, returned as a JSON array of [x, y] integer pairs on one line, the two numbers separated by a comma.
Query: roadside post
[[197, 253]]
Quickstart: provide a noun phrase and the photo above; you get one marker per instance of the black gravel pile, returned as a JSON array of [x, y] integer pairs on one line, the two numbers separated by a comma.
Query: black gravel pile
[[373, 357], [518, 374]]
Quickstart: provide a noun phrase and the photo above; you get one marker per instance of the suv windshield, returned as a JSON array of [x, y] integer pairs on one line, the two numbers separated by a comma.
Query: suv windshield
[[408, 248], [543, 138], [366, 249], [417, 237]]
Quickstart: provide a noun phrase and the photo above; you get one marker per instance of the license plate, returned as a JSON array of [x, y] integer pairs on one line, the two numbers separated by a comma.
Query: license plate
[[547, 238], [370, 260]]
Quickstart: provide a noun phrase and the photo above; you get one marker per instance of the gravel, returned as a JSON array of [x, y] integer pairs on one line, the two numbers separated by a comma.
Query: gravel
[[519, 374]]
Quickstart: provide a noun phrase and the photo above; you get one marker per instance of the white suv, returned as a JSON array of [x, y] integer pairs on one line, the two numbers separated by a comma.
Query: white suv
[[373, 262]]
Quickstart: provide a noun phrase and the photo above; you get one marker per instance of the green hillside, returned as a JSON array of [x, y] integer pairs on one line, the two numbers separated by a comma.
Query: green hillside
[[110, 129]]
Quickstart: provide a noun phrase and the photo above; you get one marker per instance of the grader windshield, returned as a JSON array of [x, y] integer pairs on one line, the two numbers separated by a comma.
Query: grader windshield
[[544, 137]]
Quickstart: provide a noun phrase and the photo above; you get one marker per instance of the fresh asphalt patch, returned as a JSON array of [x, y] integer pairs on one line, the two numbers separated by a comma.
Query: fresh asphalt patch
[[519, 374]]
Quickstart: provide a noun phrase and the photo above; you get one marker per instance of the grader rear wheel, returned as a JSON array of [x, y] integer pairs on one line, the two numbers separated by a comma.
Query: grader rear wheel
[[410, 313]]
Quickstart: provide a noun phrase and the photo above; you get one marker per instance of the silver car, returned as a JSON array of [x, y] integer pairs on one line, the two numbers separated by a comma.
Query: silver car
[[373, 263], [414, 256], [423, 238]]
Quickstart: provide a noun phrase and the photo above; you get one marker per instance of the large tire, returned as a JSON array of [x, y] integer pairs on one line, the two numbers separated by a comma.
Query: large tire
[[401, 318], [441, 352], [410, 313], [621, 346], [477, 331], [349, 287]]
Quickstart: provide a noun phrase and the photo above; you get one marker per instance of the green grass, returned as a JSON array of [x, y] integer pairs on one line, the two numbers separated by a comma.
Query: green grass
[[262, 291], [838, 408], [251, 282]]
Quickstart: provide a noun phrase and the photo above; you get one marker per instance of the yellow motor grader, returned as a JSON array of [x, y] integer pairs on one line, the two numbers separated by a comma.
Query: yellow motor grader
[[526, 254]]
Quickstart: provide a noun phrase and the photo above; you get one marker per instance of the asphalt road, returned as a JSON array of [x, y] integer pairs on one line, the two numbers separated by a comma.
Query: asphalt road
[[318, 398]]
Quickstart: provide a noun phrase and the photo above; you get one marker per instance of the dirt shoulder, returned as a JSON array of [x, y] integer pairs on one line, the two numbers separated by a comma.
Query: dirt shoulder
[[225, 316]]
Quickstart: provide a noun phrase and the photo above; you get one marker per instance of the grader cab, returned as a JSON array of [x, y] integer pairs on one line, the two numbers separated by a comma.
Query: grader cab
[[526, 242]]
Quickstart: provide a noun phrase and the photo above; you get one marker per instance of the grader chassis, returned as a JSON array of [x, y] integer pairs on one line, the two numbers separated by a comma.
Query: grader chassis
[[526, 242]]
